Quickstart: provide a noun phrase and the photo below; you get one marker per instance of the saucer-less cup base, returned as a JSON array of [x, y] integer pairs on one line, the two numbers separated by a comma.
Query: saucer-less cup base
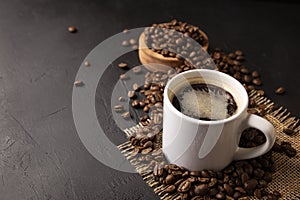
[[198, 144]]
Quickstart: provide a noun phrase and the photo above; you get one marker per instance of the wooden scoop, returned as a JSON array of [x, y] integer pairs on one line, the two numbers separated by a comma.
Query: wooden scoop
[[150, 58]]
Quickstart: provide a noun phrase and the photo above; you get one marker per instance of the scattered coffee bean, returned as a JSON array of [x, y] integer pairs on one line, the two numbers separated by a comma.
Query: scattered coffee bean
[[131, 94], [135, 103], [121, 99], [137, 69], [72, 29], [255, 74], [134, 47], [261, 92], [135, 87], [280, 90], [87, 64], [184, 186], [147, 150], [78, 83], [201, 189], [256, 81], [132, 41], [118, 108], [124, 77], [122, 65], [220, 195], [125, 31], [170, 189], [238, 53], [126, 115], [288, 131], [125, 43]]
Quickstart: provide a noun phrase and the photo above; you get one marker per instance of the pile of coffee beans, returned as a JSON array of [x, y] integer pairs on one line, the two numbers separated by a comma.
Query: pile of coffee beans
[[161, 36], [232, 64], [252, 137], [146, 137], [178, 40], [239, 179]]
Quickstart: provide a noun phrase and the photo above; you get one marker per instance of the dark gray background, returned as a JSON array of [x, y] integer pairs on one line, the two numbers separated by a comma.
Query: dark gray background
[[41, 156]]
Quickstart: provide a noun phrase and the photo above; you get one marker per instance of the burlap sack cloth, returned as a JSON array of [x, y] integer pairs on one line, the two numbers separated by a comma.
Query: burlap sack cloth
[[286, 177]]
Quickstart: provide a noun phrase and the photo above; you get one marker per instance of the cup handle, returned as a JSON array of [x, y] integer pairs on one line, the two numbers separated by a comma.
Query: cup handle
[[264, 126]]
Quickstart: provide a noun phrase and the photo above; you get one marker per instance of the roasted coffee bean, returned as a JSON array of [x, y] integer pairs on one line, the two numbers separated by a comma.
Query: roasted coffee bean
[[126, 115], [256, 81], [205, 174], [72, 29], [213, 192], [125, 43], [213, 182], [87, 64], [177, 173], [121, 99], [132, 41], [78, 83], [261, 92], [203, 180], [288, 131], [255, 74], [244, 177], [174, 167], [280, 90], [257, 193], [228, 189], [248, 169], [240, 190], [258, 173], [240, 58], [170, 179], [148, 144], [250, 185], [134, 47], [184, 186], [170, 189], [125, 31], [118, 108], [236, 195], [220, 195], [201, 189], [184, 196], [268, 177], [137, 69], [146, 108], [195, 173], [124, 77], [131, 94], [135, 87], [122, 65], [238, 53], [247, 78], [177, 183], [147, 150]]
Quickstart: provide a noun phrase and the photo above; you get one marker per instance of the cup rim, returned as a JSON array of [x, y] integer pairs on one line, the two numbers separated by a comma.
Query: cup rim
[[243, 105]]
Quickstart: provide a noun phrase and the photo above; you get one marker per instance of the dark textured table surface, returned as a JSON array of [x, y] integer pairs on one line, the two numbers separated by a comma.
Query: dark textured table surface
[[41, 155]]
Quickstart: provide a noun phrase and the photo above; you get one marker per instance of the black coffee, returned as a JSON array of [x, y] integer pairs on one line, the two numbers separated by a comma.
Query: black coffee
[[205, 102]]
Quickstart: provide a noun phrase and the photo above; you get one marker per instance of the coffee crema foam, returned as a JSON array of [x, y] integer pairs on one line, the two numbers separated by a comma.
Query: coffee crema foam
[[205, 102]]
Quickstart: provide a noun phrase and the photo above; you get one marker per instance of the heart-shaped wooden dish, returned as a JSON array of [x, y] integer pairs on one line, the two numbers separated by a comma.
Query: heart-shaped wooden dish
[[157, 62]]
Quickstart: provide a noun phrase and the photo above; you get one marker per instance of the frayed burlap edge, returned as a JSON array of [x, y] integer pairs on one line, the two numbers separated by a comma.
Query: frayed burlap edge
[[286, 178]]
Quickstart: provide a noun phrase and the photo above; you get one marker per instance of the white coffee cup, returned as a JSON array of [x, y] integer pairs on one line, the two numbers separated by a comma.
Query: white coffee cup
[[198, 144]]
